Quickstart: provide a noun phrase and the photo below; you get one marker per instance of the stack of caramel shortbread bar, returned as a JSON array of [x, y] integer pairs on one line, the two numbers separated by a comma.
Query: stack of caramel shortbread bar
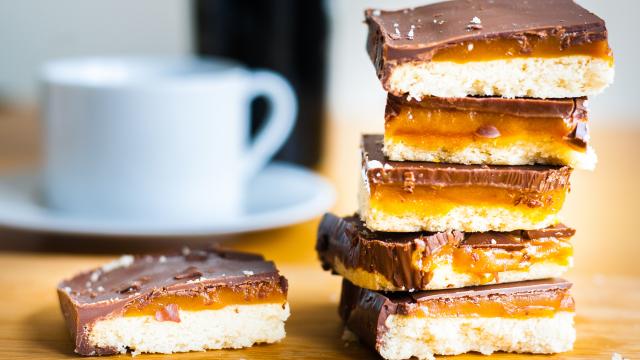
[[457, 245]]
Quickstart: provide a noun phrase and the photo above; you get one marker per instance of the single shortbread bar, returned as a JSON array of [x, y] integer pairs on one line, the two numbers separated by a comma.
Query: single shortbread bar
[[525, 317], [508, 48], [193, 301], [489, 130], [406, 196], [452, 259]]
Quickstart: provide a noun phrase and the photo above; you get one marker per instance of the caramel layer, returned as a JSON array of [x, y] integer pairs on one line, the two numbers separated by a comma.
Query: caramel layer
[[427, 201], [518, 305], [484, 264], [210, 300], [433, 129], [496, 49]]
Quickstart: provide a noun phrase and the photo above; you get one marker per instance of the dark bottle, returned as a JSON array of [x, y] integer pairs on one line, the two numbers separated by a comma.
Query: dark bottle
[[287, 36]]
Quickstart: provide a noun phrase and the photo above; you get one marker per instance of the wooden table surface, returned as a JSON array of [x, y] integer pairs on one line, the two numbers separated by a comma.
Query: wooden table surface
[[608, 317], [603, 206]]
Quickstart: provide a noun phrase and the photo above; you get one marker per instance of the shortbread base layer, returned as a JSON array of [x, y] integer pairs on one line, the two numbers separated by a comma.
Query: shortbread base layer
[[519, 154], [232, 327], [462, 218], [424, 337], [444, 276], [561, 77]]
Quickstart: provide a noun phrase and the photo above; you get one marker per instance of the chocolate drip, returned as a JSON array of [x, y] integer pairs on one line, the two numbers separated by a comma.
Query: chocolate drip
[[394, 255]]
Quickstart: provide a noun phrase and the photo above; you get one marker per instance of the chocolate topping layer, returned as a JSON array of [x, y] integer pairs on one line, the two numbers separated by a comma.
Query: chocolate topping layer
[[365, 311], [573, 111], [135, 281], [393, 255], [525, 178], [417, 34]]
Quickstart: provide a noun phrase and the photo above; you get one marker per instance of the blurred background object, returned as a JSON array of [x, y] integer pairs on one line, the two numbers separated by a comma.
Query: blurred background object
[[288, 36]]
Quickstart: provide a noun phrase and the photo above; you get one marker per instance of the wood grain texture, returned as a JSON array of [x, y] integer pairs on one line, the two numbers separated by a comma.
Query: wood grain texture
[[32, 326]]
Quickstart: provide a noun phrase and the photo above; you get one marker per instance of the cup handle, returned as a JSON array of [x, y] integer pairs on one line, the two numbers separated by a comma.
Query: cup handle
[[279, 122]]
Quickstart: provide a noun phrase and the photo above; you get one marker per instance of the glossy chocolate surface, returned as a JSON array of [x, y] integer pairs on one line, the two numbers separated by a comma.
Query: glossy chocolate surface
[[526, 178], [135, 281], [417, 34]]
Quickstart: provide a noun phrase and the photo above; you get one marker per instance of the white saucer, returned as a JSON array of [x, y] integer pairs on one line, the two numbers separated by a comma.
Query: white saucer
[[282, 194]]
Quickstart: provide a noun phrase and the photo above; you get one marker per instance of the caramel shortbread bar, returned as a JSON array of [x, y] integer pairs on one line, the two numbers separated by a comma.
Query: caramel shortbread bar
[[406, 196], [524, 317], [508, 48], [489, 130], [193, 301], [441, 260]]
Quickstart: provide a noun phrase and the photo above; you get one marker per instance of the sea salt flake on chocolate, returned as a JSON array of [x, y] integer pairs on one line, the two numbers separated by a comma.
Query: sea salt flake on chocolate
[[374, 164], [123, 262], [410, 34], [396, 29], [193, 281]]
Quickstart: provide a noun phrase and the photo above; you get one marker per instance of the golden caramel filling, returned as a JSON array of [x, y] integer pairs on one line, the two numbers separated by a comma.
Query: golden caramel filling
[[524, 305], [431, 201], [496, 49], [213, 300], [480, 261], [433, 129], [484, 264]]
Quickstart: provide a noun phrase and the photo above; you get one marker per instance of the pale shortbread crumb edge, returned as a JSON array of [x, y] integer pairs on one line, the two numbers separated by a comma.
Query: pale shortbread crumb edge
[[234, 326], [424, 337], [561, 77]]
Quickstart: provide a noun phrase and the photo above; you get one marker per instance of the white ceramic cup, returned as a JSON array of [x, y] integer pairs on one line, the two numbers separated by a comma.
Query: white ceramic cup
[[156, 139]]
